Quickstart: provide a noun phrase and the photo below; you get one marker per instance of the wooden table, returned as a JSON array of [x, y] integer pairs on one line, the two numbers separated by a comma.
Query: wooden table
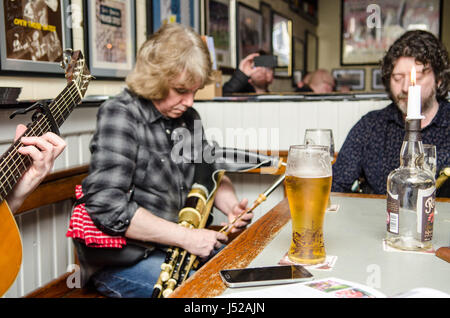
[[354, 234]]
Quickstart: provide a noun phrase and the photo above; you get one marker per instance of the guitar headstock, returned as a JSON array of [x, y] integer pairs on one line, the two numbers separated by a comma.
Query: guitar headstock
[[76, 69]]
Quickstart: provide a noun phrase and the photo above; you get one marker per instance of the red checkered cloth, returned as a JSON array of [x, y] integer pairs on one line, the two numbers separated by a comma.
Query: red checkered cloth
[[82, 228]]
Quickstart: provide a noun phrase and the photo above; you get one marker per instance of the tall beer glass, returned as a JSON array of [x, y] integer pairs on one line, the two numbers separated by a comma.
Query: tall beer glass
[[308, 185]]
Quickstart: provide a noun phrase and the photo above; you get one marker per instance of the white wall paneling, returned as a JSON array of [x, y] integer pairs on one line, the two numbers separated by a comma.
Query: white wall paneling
[[289, 118]]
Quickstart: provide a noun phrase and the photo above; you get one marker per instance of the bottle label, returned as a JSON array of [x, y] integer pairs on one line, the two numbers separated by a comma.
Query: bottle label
[[393, 207], [425, 213]]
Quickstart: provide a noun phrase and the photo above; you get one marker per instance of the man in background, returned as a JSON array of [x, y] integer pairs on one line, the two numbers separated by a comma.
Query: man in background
[[318, 82], [372, 148], [249, 78]]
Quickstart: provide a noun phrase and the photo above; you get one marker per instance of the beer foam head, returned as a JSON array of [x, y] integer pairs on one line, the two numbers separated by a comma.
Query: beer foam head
[[308, 161]]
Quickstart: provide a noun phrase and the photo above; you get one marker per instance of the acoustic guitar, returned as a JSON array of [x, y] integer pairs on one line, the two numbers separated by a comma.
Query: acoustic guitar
[[13, 164]]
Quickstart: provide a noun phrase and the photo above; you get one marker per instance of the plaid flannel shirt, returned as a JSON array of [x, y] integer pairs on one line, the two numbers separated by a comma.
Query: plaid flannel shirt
[[132, 146]]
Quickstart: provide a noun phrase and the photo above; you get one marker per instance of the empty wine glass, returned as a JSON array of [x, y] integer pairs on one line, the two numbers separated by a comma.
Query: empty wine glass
[[429, 160], [321, 137]]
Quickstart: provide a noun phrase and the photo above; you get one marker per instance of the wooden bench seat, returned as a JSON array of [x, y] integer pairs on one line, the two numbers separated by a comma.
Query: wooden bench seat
[[58, 289]]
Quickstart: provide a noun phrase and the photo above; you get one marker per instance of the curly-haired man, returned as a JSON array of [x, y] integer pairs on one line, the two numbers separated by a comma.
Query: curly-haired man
[[372, 147]]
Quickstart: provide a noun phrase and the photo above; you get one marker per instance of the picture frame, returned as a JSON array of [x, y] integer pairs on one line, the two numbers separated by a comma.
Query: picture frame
[[110, 24], [367, 31], [354, 79], [218, 25], [249, 31], [33, 39], [299, 60], [186, 12], [149, 18], [282, 44], [310, 10], [295, 5], [377, 83], [266, 12], [311, 49]]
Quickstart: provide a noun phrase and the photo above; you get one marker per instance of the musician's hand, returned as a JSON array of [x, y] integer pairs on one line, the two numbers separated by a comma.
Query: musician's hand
[[43, 151], [245, 219], [202, 242]]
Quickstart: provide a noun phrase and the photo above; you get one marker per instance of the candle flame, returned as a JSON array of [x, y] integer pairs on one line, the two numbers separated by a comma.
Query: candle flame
[[413, 76]]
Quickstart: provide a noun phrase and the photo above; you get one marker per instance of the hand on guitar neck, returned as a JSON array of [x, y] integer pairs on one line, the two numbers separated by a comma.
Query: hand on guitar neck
[[43, 151]]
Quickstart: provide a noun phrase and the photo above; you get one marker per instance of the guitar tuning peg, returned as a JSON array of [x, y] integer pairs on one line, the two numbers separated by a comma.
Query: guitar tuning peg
[[64, 62], [87, 78], [67, 54]]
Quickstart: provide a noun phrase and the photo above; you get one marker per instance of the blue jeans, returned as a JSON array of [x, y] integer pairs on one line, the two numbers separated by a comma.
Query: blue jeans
[[136, 281]]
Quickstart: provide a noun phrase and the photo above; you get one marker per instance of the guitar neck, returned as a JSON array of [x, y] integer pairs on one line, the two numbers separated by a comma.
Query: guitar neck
[[63, 104], [12, 163]]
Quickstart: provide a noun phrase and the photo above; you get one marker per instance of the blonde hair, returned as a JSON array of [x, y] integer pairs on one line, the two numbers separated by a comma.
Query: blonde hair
[[173, 51]]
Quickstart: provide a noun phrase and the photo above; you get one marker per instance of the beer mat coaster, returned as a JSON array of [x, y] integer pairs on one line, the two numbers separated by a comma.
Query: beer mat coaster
[[327, 265], [388, 248], [333, 208]]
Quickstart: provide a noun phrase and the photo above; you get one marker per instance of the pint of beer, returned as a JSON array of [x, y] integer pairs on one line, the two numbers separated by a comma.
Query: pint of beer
[[308, 186]]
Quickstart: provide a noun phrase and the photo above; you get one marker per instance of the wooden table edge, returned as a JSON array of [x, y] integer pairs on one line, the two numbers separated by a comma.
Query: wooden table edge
[[206, 282]]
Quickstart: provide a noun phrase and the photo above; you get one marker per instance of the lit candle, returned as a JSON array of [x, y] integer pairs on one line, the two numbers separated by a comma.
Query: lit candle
[[414, 98]]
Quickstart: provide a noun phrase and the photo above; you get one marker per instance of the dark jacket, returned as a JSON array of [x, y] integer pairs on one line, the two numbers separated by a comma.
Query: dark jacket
[[304, 89], [238, 83]]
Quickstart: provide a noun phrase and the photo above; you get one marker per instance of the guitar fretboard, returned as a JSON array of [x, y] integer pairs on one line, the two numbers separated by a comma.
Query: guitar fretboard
[[12, 163]]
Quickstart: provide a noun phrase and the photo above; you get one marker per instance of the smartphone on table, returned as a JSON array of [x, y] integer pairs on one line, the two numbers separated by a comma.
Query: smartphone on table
[[269, 275]]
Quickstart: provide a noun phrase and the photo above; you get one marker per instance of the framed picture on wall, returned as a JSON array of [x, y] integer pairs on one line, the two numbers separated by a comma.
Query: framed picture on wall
[[377, 83], [311, 56], [149, 18], [218, 25], [185, 12], [282, 44], [310, 10], [249, 31], [266, 12], [295, 5], [299, 59], [110, 37], [353, 79], [369, 29], [33, 36]]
